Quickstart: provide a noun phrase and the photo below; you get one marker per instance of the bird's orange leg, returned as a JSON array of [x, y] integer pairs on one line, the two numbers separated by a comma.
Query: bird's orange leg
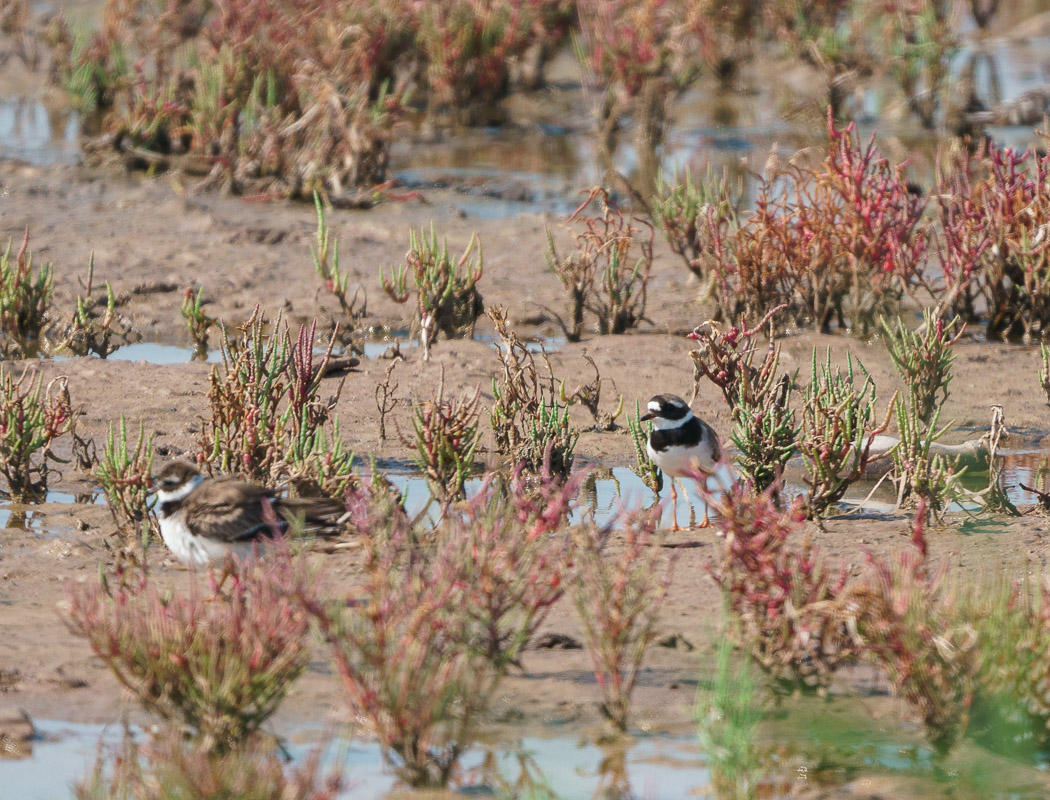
[[706, 523], [229, 570], [674, 507]]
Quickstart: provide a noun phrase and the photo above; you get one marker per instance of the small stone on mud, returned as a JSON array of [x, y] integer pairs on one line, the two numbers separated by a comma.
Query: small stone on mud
[[16, 733], [556, 641], [676, 641]]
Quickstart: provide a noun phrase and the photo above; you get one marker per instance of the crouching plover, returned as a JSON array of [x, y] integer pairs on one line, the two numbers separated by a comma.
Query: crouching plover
[[681, 444], [205, 520]]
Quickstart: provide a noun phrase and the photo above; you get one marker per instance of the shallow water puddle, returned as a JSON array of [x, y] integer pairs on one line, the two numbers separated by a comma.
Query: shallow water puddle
[[801, 744], [658, 768], [603, 495], [154, 353], [33, 516], [32, 132]]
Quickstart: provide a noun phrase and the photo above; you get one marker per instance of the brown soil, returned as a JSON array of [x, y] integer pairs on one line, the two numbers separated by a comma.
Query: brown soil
[[152, 239]]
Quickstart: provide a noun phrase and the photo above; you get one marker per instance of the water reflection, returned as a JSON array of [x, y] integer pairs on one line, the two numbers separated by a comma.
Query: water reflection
[[38, 133], [603, 495]]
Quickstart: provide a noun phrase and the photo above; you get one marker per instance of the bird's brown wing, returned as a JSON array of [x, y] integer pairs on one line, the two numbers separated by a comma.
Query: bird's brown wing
[[313, 514], [230, 510]]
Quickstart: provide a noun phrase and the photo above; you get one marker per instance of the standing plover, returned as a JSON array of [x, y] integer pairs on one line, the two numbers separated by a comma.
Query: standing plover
[[204, 520], [681, 444]]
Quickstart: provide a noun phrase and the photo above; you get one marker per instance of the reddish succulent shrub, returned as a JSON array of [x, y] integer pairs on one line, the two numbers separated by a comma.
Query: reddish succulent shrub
[[278, 96], [788, 603], [467, 46], [907, 617], [841, 242], [995, 255], [220, 665], [445, 612], [602, 275], [405, 653], [639, 53], [512, 542], [618, 595]]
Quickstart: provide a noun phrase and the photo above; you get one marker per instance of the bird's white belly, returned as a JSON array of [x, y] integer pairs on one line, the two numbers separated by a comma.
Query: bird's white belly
[[680, 462], [196, 551]]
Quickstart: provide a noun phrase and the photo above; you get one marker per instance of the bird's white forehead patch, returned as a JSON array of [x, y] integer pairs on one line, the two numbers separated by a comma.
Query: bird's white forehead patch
[[654, 406]]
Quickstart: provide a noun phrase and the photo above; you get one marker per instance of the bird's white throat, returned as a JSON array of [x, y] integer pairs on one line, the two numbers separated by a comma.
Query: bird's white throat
[[164, 496], [662, 423]]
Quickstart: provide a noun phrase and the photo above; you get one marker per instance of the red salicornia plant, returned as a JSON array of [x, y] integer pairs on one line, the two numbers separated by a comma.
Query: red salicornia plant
[[512, 542], [906, 614], [602, 275], [281, 97], [219, 665], [447, 436], [786, 600], [841, 242], [639, 54], [996, 254], [621, 582], [405, 649]]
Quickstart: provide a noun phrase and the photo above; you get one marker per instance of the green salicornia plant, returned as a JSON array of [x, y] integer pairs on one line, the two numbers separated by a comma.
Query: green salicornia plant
[[922, 477], [677, 205], [765, 437], [618, 595], [447, 436], [924, 359], [447, 295], [838, 424], [245, 430], [95, 323], [267, 419], [651, 475], [727, 715], [602, 275], [32, 418], [198, 323], [124, 474], [529, 423], [24, 300], [764, 429], [325, 253], [219, 665]]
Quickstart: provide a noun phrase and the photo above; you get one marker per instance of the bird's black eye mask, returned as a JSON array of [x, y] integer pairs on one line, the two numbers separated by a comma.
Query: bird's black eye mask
[[674, 411]]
